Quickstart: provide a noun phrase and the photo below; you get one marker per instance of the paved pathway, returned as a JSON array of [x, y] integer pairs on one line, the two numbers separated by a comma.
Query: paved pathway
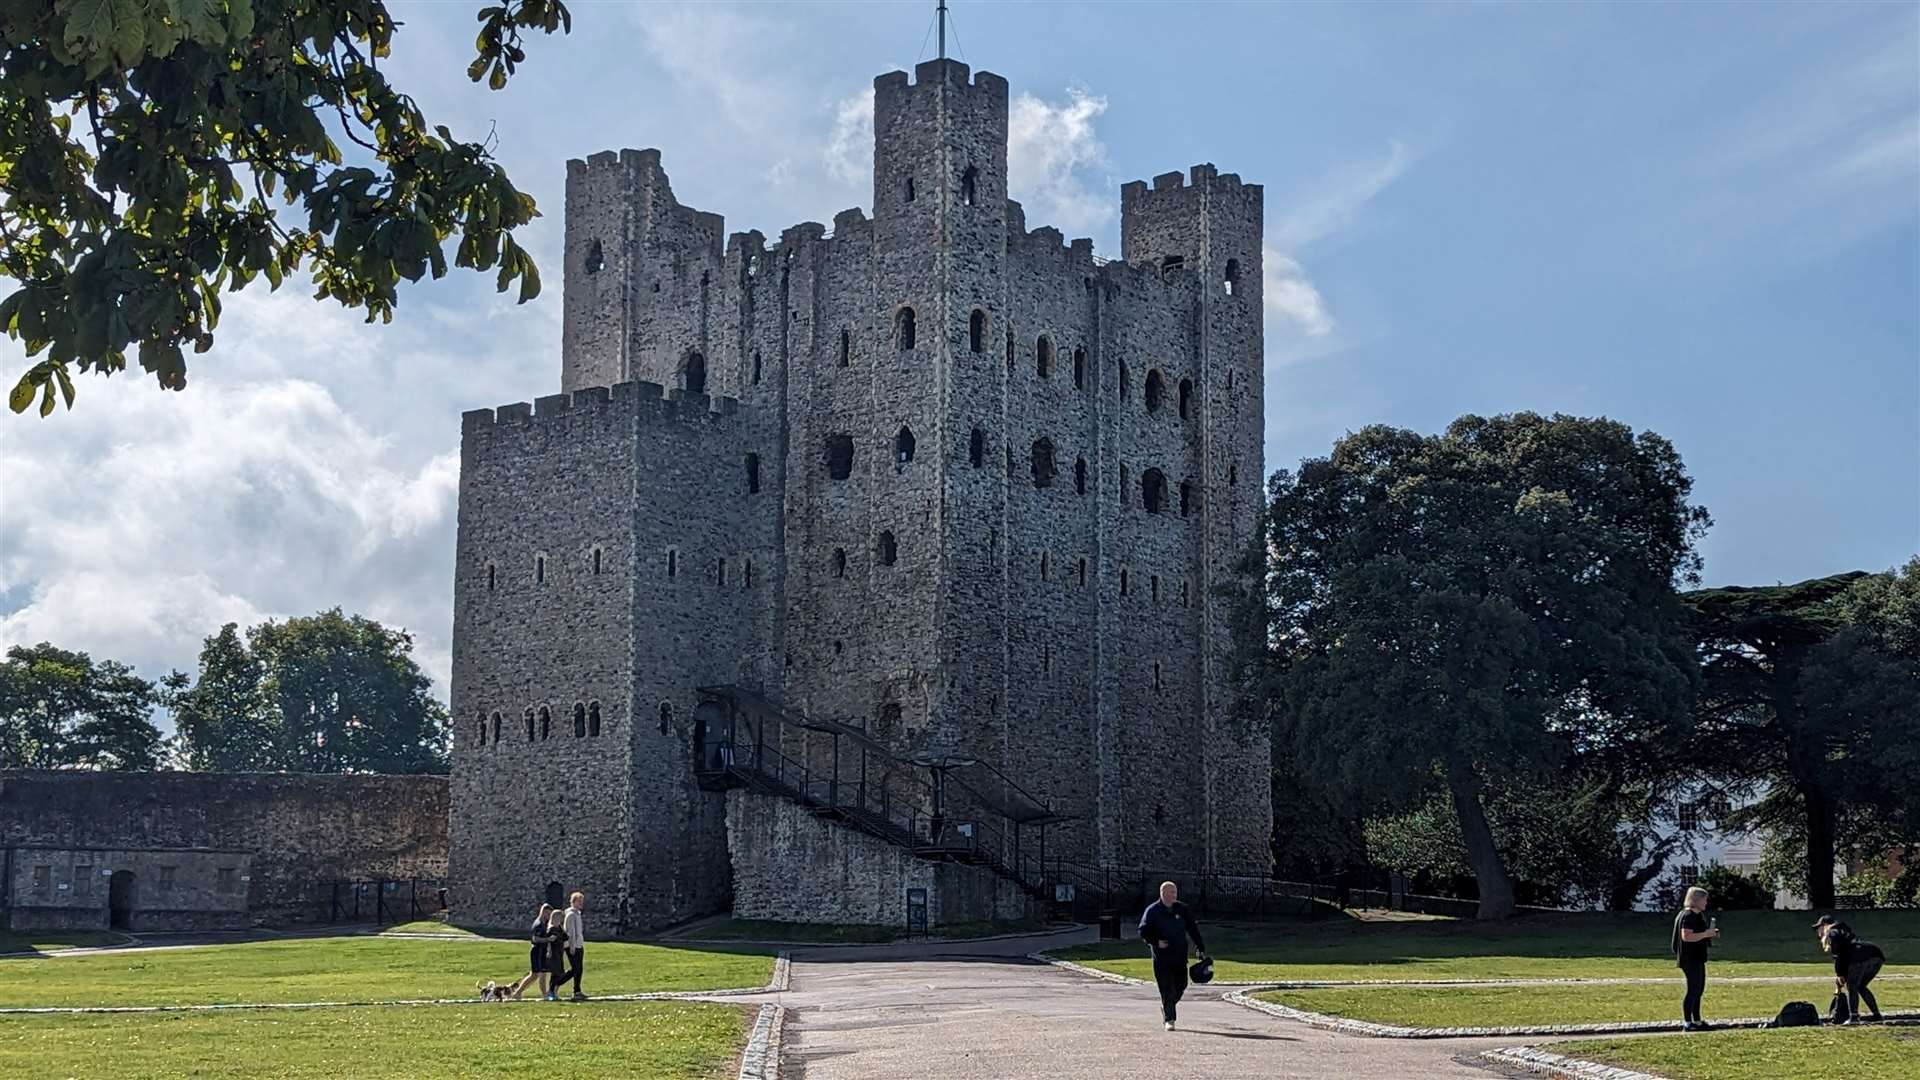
[[973, 1011]]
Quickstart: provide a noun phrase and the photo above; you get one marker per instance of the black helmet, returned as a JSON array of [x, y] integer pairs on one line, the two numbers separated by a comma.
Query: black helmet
[[1202, 971]]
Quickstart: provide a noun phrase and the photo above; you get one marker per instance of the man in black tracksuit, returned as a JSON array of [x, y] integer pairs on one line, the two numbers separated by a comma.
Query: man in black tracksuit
[[1165, 926]]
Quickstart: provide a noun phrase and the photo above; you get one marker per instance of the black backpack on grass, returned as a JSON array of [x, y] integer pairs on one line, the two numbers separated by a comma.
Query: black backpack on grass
[[1838, 1011], [1797, 1014]]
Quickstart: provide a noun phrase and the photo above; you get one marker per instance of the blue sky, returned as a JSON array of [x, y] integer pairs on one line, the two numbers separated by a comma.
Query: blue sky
[[1699, 219]]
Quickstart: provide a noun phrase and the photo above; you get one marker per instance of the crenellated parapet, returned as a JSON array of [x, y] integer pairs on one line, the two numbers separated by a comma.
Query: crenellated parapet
[[644, 402]]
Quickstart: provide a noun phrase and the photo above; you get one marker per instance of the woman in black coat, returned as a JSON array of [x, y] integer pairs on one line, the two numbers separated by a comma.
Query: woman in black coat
[[1855, 963]]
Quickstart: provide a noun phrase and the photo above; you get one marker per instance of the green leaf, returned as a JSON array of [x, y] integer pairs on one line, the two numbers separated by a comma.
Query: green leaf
[[201, 19], [89, 28], [66, 383], [22, 395]]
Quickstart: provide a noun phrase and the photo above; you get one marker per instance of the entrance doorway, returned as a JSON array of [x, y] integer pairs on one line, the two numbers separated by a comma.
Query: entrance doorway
[[556, 896], [120, 900]]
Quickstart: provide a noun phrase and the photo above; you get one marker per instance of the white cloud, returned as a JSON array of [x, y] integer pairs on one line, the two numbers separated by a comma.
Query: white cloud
[[1289, 296], [1333, 207], [849, 153], [1050, 146]]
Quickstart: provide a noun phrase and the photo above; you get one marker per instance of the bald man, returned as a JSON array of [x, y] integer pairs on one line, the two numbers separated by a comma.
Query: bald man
[[1165, 926]]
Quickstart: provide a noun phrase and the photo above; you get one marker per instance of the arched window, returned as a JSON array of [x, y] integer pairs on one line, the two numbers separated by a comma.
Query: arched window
[[903, 328], [756, 367], [839, 562], [839, 456], [529, 725], [753, 474], [1123, 382], [977, 448], [546, 722], [1153, 490], [903, 445], [909, 190], [694, 375], [1080, 476], [1186, 497], [1043, 357], [666, 718], [977, 331], [1232, 278], [539, 569], [579, 720], [1079, 369], [967, 186], [1043, 463], [1186, 397], [593, 720], [496, 729], [596, 258], [1156, 387], [889, 551], [846, 346]]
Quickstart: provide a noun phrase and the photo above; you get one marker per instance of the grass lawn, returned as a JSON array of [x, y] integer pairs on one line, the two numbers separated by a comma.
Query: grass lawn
[[55, 940], [835, 934], [1862, 1053], [360, 968], [651, 1039], [1598, 945], [1522, 1006]]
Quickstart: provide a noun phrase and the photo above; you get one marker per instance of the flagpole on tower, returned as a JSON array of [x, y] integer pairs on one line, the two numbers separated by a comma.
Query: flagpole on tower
[[943, 29]]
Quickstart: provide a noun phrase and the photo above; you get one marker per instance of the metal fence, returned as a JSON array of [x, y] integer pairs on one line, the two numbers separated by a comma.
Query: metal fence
[[384, 900]]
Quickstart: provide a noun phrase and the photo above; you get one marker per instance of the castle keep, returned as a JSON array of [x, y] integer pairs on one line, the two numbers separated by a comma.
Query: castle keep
[[932, 502]]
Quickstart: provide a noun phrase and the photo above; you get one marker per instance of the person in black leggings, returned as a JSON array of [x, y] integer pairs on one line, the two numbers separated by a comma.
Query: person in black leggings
[[1855, 963], [1692, 936]]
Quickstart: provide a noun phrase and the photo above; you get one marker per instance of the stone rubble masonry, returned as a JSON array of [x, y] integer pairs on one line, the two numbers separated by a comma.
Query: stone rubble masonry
[[947, 593], [208, 850]]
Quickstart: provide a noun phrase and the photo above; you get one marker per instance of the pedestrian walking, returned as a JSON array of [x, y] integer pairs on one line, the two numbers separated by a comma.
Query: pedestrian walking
[[536, 956], [1855, 963], [555, 940], [1693, 934], [576, 945], [1165, 926]]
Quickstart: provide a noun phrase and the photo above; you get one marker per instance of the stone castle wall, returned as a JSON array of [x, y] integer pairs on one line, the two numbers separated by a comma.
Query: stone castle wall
[[210, 849]]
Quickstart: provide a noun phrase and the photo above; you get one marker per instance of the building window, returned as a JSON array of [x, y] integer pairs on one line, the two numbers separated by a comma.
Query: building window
[[596, 257], [1690, 874], [1079, 369], [968, 183], [1153, 490], [746, 574], [909, 190], [903, 328], [756, 367], [1186, 398], [166, 878], [1009, 352], [1124, 383], [753, 474], [1156, 675], [1080, 476], [846, 346], [1123, 581], [977, 448], [1233, 473], [1171, 263], [1043, 357], [720, 572], [546, 722], [889, 551], [490, 577], [1154, 582], [1156, 386], [42, 878], [694, 375], [229, 879], [83, 879], [483, 730], [496, 729], [1043, 463], [839, 457], [593, 720], [977, 331], [903, 445], [1043, 566], [886, 724], [1083, 570], [673, 562], [579, 720], [540, 569], [666, 718], [596, 562], [1186, 497], [1232, 277], [1688, 816], [839, 562], [529, 725]]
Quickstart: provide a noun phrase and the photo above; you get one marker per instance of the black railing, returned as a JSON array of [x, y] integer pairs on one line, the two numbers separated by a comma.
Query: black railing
[[385, 900]]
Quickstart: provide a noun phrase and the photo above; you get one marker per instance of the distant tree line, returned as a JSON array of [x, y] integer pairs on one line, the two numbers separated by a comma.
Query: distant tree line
[[1483, 667], [325, 693]]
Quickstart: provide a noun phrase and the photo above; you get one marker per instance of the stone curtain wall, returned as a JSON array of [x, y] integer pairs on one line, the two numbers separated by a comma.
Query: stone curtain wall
[[790, 866], [172, 888], [291, 835]]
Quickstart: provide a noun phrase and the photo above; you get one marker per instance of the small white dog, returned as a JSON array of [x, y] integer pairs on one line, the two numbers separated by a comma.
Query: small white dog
[[492, 991]]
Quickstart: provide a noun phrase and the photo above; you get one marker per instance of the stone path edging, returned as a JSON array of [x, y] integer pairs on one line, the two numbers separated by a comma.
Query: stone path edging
[[1393, 1031], [760, 1059], [1124, 980], [1535, 1060]]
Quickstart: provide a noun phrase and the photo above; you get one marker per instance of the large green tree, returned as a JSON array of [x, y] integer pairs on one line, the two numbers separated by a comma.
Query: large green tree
[[65, 710], [143, 144], [324, 693], [1812, 694], [1463, 612]]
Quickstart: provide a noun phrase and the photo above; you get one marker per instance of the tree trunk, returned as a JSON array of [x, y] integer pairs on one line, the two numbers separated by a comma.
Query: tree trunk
[[1819, 848], [1496, 888]]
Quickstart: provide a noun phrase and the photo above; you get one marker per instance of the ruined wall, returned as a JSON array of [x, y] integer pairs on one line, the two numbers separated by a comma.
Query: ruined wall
[[284, 837], [790, 866]]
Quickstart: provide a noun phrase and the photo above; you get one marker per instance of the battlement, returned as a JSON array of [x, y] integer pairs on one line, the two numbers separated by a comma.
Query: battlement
[[643, 400], [1204, 175], [950, 72]]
